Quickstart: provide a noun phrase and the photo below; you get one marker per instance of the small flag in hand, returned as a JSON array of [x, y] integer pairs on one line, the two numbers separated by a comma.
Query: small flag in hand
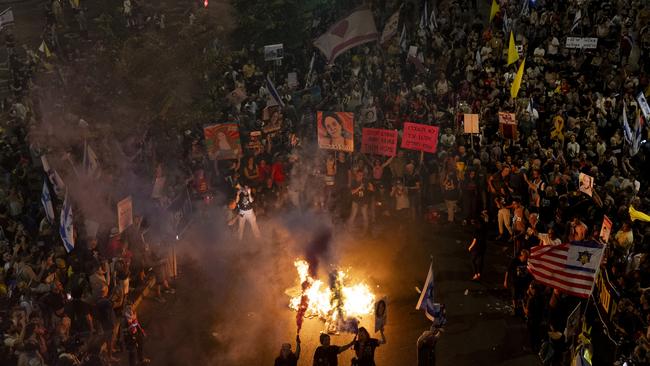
[[426, 301]]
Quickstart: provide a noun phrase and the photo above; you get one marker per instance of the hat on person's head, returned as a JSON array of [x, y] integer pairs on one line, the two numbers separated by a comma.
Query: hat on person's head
[[114, 232]]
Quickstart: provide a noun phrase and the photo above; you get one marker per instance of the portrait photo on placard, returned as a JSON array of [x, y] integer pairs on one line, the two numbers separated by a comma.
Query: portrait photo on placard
[[335, 130]]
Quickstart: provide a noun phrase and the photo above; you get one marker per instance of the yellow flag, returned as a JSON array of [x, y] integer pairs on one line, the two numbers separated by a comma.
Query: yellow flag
[[494, 9], [516, 84], [46, 50], [513, 55], [638, 215]]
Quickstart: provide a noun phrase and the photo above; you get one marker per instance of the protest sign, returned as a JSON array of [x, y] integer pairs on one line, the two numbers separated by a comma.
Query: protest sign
[[292, 80], [413, 52], [605, 229], [581, 42], [508, 125], [124, 214], [470, 123], [273, 52], [420, 137], [381, 314], [273, 118], [643, 104], [254, 145], [379, 141], [507, 118], [335, 130], [586, 184], [368, 115], [222, 141], [91, 228]]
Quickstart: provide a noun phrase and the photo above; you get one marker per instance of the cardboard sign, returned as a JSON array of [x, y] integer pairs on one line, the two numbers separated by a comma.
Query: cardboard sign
[[470, 123], [335, 130], [222, 141], [368, 115], [581, 42], [124, 214], [420, 137], [586, 184], [273, 52], [379, 141], [605, 229]]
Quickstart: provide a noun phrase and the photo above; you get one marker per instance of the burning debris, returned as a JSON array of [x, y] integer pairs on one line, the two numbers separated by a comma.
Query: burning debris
[[340, 305]]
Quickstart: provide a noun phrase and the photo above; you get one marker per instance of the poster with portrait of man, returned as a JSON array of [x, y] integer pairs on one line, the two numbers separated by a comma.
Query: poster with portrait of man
[[335, 130], [222, 141]]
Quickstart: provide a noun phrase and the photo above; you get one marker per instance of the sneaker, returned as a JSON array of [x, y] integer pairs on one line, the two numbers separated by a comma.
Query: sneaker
[[160, 299], [170, 291], [475, 277]]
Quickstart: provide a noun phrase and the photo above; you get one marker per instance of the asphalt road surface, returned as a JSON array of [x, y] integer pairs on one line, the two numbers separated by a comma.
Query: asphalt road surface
[[230, 307]]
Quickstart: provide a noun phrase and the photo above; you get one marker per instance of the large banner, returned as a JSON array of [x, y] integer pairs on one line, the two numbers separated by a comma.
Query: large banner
[[379, 141], [335, 130], [222, 141], [581, 42], [420, 137], [124, 214]]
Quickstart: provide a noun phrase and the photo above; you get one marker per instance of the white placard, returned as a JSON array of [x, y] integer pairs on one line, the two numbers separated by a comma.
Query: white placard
[[581, 42], [273, 52]]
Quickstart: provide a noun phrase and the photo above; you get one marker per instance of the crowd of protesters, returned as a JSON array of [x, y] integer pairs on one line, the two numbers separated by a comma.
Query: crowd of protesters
[[60, 307], [518, 189]]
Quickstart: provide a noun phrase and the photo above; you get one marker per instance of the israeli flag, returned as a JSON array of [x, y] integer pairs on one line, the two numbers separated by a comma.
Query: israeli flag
[[46, 200], [54, 177], [274, 92], [90, 162], [66, 229], [426, 301]]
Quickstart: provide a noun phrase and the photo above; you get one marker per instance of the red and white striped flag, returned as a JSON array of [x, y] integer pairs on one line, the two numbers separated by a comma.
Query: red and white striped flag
[[351, 31], [570, 268]]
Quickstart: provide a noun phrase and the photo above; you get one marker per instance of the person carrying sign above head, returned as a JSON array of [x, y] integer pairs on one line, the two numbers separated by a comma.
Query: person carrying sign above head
[[333, 133]]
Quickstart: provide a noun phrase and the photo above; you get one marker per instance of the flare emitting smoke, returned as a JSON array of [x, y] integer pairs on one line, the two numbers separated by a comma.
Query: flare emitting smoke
[[316, 249]]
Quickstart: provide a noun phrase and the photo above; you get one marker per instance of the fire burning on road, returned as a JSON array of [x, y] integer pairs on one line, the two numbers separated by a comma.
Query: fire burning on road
[[340, 303]]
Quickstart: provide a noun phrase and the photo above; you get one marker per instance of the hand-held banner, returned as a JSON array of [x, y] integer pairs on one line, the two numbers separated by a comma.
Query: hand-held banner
[[420, 137], [379, 141], [335, 130], [222, 141]]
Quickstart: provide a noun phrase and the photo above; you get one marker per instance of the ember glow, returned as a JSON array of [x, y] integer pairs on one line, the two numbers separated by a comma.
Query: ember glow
[[355, 300]]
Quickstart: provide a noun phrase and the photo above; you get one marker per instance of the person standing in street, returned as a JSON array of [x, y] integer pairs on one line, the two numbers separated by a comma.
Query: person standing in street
[[327, 354], [244, 201], [287, 357]]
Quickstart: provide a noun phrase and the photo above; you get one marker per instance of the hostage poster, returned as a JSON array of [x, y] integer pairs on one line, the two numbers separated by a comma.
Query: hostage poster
[[222, 141], [335, 131], [420, 137], [379, 141]]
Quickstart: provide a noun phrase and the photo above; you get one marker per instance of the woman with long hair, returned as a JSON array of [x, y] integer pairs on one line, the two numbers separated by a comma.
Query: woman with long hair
[[364, 348], [333, 134]]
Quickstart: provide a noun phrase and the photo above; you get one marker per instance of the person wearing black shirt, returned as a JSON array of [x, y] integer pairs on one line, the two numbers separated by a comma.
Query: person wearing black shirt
[[287, 357], [517, 279], [244, 201], [365, 346], [327, 354], [479, 245]]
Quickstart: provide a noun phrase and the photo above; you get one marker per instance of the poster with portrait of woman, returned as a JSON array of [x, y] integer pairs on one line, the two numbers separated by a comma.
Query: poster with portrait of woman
[[335, 130], [273, 118], [222, 141]]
